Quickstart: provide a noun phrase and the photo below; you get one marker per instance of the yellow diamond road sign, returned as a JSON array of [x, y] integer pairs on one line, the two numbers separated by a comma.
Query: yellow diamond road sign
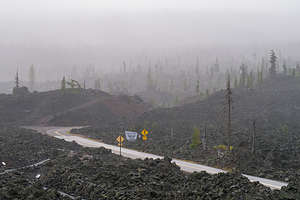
[[145, 132], [145, 138], [120, 139]]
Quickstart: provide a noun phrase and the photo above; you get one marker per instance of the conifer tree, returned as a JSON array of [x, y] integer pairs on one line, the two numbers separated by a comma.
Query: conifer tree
[[98, 84], [297, 69], [217, 66], [31, 78], [195, 138], [149, 80], [235, 82], [284, 68], [63, 84], [258, 76], [250, 80], [243, 76], [198, 87], [207, 93], [197, 66], [124, 66], [294, 72], [17, 80], [185, 84], [172, 86], [261, 75], [273, 60], [176, 100]]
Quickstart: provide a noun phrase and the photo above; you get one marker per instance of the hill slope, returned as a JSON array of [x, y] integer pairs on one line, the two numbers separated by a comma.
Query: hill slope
[[84, 107], [274, 105]]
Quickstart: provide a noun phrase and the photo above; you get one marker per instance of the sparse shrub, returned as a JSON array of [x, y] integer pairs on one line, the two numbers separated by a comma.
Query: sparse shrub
[[195, 138]]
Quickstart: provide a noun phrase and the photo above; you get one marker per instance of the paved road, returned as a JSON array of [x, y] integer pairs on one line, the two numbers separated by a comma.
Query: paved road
[[62, 133]]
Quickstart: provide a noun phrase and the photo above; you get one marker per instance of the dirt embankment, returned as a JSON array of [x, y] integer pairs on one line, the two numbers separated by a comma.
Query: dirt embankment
[[71, 107]]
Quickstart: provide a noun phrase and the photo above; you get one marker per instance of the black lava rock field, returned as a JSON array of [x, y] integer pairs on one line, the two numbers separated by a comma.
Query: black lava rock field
[[74, 172]]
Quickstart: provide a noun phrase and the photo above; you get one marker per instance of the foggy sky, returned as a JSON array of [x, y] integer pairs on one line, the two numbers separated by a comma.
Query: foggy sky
[[51, 34]]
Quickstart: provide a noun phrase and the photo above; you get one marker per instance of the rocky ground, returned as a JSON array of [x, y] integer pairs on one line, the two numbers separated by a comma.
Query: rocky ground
[[274, 107], [84, 173]]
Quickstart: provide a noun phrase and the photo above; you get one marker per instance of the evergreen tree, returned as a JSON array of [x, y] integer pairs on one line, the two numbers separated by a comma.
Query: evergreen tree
[[197, 66], [17, 80], [236, 85], [217, 66], [98, 84], [261, 75], [172, 86], [198, 87], [297, 69], [63, 84], [243, 75], [31, 77], [176, 100], [149, 80], [273, 60], [294, 72], [263, 65], [124, 66], [110, 87], [207, 93], [284, 68], [185, 84], [250, 80], [195, 138]]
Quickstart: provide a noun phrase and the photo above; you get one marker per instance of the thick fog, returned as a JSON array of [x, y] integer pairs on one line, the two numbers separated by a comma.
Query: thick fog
[[59, 34]]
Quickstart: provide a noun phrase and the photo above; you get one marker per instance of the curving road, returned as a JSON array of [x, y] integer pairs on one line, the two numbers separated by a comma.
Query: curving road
[[63, 133]]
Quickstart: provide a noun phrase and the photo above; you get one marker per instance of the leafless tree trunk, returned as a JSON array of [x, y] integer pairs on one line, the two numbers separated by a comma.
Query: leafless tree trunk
[[204, 142], [253, 137], [229, 102]]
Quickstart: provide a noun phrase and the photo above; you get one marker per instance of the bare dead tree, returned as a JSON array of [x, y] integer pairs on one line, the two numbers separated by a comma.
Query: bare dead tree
[[229, 107], [253, 137], [204, 142]]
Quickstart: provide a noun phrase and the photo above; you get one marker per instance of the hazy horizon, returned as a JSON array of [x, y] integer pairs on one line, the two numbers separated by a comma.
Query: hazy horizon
[[56, 34]]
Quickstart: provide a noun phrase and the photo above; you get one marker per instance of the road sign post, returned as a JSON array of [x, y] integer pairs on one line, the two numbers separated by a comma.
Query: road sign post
[[144, 133], [120, 141]]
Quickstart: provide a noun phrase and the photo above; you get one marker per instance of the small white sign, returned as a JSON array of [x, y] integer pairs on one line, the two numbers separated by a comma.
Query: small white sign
[[131, 136], [3, 163]]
